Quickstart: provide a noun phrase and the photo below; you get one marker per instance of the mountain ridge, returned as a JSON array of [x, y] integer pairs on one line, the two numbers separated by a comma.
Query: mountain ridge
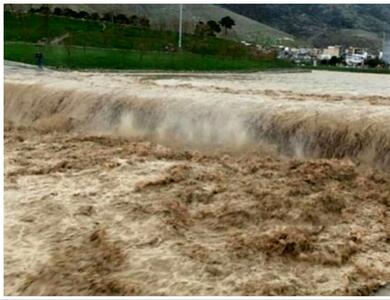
[[359, 25]]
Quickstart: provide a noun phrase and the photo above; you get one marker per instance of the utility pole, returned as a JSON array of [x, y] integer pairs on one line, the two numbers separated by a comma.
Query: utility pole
[[383, 43], [180, 25]]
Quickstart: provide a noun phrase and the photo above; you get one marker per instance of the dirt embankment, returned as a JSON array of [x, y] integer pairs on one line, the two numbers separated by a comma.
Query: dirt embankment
[[97, 215]]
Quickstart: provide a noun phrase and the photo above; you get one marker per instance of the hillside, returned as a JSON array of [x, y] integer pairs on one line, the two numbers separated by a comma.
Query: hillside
[[165, 16], [324, 24]]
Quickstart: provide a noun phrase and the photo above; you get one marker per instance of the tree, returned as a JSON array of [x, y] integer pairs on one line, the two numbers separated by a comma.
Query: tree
[[374, 62], [74, 14], [44, 9], [58, 11], [33, 10], [227, 23], [94, 16], [69, 13], [324, 62], [133, 20], [334, 61], [82, 14], [201, 29], [108, 17], [144, 22], [207, 29], [214, 27], [121, 19]]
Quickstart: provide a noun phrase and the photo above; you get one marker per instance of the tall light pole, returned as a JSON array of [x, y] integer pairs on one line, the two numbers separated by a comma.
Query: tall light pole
[[180, 25]]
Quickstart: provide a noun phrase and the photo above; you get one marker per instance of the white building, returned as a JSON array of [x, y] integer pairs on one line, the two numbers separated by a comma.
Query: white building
[[355, 56], [329, 52]]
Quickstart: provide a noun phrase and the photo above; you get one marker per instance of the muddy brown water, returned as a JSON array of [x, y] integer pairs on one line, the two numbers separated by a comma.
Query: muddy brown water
[[129, 184]]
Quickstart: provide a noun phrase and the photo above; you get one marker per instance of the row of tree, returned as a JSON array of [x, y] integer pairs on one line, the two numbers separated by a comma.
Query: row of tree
[[137, 21], [211, 28]]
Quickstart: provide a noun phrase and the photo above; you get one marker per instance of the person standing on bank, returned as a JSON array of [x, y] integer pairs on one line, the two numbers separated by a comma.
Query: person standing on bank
[[39, 59]]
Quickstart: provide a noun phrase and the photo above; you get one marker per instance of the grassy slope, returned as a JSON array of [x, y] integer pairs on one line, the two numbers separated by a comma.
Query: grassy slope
[[166, 15], [119, 47], [32, 28], [105, 58]]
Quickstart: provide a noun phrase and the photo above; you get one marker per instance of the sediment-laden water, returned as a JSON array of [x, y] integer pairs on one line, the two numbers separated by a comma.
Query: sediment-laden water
[[194, 184]]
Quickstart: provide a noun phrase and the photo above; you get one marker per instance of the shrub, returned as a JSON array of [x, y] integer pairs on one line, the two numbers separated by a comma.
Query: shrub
[[334, 61], [44, 9], [374, 62], [58, 11], [144, 22], [107, 17], [69, 13], [133, 20], [121, 19], [82, 15], [94, 16]]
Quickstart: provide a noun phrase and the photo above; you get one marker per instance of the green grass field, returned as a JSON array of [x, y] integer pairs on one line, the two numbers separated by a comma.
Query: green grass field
[[92, 45], [33, 27], [103, 58]]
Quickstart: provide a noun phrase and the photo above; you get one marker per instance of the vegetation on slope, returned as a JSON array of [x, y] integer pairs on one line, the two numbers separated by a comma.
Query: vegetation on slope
[[94, 44], [76, 57], [165, 17], [34, 27]]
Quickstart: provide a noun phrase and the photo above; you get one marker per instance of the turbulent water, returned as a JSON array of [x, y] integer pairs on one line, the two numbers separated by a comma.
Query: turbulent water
[[193, 184], [320, 114]]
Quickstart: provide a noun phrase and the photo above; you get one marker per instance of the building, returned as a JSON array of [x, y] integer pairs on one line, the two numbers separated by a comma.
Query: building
[[298, 55], [328, 53], [355, 56]]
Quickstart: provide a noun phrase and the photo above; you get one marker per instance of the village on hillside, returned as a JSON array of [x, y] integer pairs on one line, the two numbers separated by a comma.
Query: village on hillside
[[338, 56], [335, 55]]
